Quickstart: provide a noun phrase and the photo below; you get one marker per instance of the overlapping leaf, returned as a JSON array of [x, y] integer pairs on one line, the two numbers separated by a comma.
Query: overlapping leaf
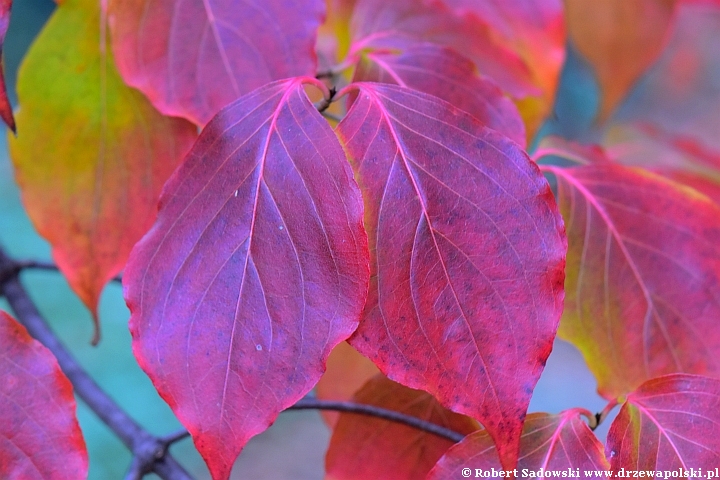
[[643, 275], [192, 58], [620, 39], [346, 372], [669, 423], [92, 154], [39, 434], [377, 24], [467, 256], [363, 447], [559, 443], [254, 271], [535, 31], [5, 108], [445, 74]]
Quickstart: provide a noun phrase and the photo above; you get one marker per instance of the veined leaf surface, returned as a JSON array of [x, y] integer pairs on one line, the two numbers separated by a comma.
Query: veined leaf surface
[[550, 442], [467, 255], [643, 275], [191, 58], [92, 154], [39, 434], [669, 423], [255, 269], [384, 23], [448, 75]]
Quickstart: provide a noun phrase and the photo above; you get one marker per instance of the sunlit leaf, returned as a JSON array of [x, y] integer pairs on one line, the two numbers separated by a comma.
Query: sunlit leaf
[[364, 447], [39, 434], [669, 423], [467, 256], [191, 58], [254, 271], [560, 443], [643, 275], [92, 154]]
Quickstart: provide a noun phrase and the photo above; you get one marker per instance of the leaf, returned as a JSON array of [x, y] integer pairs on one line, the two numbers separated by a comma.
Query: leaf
[[255, 269], [669, 423], [643, 275], [448, 75], [346, 372], [579, 153], [193, 58], [92, 154], [535, 31], [559, 443], [6, 111], [620, 39], [39, 434], [386, 23], [364, 447], [467, 256], [681, 92], [675, 156]]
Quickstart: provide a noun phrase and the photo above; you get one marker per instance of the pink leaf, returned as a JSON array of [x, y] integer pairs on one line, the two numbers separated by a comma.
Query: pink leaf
[[254, 271], [6, 112], [467, 252], [448, 75], [669, 423], [643, 275], [559, 443], [39, 434], [192, 58]]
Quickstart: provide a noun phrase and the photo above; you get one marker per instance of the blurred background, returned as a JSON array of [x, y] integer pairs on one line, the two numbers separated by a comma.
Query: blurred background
[[294, 447]]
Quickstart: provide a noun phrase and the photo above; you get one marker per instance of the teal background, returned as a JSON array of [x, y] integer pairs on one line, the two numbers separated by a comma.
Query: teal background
[[295, 446]]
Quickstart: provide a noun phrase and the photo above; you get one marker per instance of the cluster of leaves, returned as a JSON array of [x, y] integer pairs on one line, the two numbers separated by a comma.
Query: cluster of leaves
[[399, 212]]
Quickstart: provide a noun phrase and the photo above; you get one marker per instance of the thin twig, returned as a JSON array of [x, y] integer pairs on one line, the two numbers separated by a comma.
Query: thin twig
[[150, 452], [40, 265], [373, 411], [325, 102]]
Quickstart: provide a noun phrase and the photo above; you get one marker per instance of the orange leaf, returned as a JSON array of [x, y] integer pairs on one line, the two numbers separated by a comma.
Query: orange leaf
[[365, 447]]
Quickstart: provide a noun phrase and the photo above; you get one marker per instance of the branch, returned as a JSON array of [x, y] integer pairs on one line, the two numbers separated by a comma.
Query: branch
[[149, 452]]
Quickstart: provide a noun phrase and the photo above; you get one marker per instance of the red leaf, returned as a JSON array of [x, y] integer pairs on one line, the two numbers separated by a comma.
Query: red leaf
[[442, 72], [467, 256], [535, 31], [39, 434], [5, 108], [254, 271], [643, 275], [668, 423], [384, 23], [193, 58], [363, 447], [560, 442]]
